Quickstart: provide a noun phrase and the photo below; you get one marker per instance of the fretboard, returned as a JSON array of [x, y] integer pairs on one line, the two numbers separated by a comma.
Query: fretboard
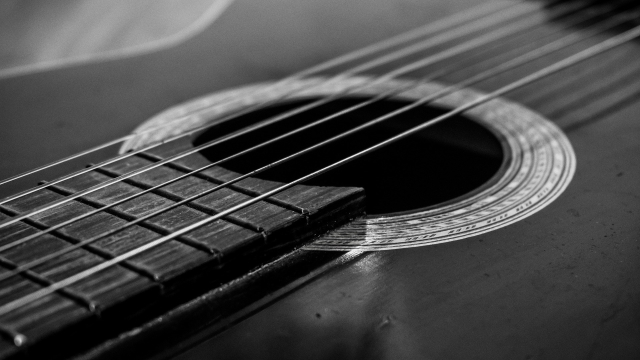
[[155, 280]]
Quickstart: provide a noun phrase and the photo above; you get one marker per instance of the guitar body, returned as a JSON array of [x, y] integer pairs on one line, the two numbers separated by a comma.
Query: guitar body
[[560, 284]]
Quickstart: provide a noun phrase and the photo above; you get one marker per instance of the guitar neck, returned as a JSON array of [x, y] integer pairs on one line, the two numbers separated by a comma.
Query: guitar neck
[[41, 250]]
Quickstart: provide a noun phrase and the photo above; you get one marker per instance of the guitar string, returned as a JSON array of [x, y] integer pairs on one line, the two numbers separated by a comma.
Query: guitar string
[[411, 35], [556, 45], [7, 222], [567, 62]]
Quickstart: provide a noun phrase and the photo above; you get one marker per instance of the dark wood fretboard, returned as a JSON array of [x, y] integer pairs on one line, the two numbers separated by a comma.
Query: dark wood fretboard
[[158, 279]]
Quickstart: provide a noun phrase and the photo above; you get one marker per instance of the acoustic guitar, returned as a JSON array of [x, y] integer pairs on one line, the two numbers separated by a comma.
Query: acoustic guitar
[[271, 187]]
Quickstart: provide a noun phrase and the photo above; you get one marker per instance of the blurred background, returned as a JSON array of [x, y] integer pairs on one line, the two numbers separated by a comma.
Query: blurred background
[[44, 31]]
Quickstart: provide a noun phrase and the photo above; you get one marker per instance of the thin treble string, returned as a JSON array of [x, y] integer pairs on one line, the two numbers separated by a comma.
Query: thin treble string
[[531, 55], [518, 26], [527, 57], [440, 25], [549, 70]]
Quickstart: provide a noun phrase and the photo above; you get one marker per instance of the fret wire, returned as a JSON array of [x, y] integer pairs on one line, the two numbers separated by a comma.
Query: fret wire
[[520, 60], [537, 75], [178, 156], [442, 24]]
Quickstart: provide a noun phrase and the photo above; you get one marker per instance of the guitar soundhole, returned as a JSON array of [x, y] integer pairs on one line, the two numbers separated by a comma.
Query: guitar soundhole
[[454, 158]]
